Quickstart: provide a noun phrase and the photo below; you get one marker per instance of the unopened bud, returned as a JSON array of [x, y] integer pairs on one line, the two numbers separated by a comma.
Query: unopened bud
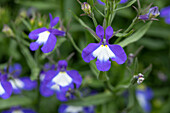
[[32, 21], [86, 8], [153, 12], [140, 78], [8, 31]]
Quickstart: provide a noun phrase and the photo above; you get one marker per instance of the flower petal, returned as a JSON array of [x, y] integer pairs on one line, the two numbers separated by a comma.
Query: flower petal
[[165, 12], [50, 44], [61, 96], [100, 32], [87, 52], [28, 83], [34, 46], [100, 2], [123, 1], [120, 55], [35, 33], [109, 33], [28, 111], [44, 90], [144, 17], [57, 32], [167, 20], [103, 65], [7, 89], [54, 21], [77, 79]]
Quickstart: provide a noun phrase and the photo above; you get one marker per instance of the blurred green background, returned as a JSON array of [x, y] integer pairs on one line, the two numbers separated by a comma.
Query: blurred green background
[[33, 14]]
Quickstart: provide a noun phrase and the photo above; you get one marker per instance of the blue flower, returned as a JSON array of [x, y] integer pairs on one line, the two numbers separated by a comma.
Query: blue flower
[[144, 95], [19, 83], [5, 87], [19, 110], [103, 3], [75, 109], [165, 13], [153, 12], [60, 81], [103, 51], [46, 36]]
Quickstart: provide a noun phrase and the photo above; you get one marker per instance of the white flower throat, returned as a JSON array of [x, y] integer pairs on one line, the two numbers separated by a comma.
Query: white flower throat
[[43, 37]]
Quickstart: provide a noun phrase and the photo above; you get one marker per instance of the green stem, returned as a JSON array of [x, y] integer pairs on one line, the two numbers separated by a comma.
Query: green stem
[[73, 43], [131, 25], [94, 20]]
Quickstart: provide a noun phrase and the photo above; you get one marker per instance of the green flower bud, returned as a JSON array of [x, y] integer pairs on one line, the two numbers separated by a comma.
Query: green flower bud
[[8, 31], [86, 8]]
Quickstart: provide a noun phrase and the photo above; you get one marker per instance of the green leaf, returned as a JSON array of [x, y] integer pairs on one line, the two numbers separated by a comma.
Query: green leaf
[[92, 100], [147, 71], [136, 36], [128, 5], [15, 101], [94, 68]]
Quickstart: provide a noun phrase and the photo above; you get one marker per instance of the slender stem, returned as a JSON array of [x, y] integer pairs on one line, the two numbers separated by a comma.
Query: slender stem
[[94, 20], [74, 44], [131, 25]]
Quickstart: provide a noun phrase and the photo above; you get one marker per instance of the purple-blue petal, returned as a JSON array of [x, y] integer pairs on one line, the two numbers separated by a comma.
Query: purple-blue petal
[[119, 53], [100, 32], [167, 20], [62, 108], [44, 90], [61, 96], [100, 2], [108, 32], [62, 65], [28, 83], [54, 21], [50, 74], [34, 46], [87, 52], [28, 111], [8, 89], [165, 12], [50, 44], [144, 17], [77, 79], [57, 32], [103, 65], [17, 69], [123, 1], [34, 34]]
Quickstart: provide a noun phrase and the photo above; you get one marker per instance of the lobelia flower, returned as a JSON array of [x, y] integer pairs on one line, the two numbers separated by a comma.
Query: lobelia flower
[[104, 51], [5, 87], [46, 36], [102, 2], [165, 13], [144, 95], [153, 12], [18, 84], [19, 110], [60, 81], [75, 109]]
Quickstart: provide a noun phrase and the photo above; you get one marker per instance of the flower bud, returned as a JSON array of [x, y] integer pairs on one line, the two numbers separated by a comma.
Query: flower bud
[[8, 31], [86, 8], [153, 12], [140, 78]]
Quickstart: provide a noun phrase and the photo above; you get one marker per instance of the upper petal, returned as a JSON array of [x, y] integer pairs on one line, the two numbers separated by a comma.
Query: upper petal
[[57, 32], [109, 32], [54, 21], [120, 55], [77, 79], [87, 52], [100, 32], [123, 1], [28, 83], [35, 33], [50, 44]]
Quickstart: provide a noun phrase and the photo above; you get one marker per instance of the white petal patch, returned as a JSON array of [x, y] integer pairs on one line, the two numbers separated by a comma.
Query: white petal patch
[[74, 109], [61, 79], [141, 99], [17, 111], [43, 37], [103, 53], [2, 91], [42, 76], [16, 83]]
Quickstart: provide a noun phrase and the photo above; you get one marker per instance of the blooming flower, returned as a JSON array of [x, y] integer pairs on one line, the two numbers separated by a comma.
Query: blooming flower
[[46, 36], [104, 51], [19, 110], [5, 87], [18, 84], [153, 12], [165, 13], [75, 109], [103, 3], [144, 95], [60, 81]]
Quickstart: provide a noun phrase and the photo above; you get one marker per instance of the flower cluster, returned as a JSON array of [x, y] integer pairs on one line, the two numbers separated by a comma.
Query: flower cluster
[[60, 81], [46, 36], [11, 82], [104, 51], [165, 13]]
